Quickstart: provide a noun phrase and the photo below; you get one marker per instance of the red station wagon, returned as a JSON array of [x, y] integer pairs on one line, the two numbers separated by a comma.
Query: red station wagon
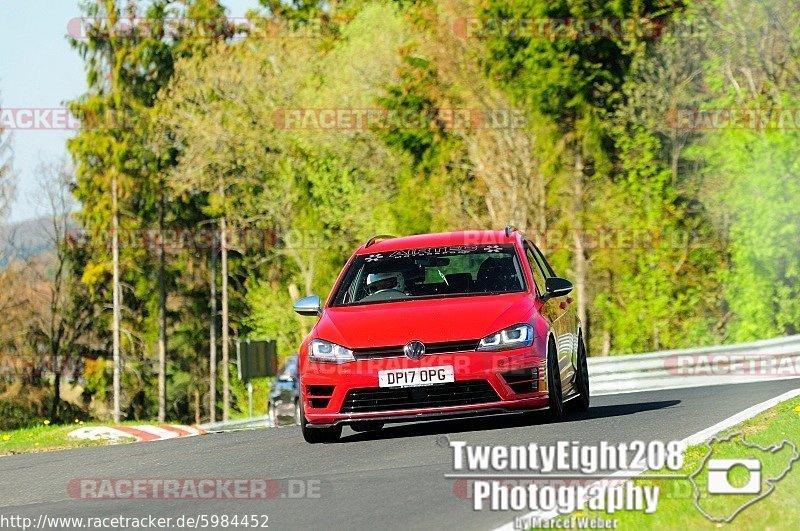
[[439, 326]]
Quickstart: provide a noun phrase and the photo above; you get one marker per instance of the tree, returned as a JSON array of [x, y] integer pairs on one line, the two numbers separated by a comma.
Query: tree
[[62, 323], [575, 81], [125, 70], [222, 160], [748, 172], [11, 275], [7, 177]]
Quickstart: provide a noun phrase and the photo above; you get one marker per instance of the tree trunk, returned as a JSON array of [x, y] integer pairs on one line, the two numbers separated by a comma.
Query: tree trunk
[[294, 294], [225, 370], [116, 294], [541, 205], [581, 265], [656, 338], [55, 343], [162, 320], [197, 406], [56, 389], [212, 372]]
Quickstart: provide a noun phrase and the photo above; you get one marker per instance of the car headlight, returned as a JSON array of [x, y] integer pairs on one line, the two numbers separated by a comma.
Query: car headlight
[[512, 337], [327, 352]]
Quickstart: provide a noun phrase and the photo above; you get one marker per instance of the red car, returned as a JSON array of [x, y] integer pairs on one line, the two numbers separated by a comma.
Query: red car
[[439, 326]]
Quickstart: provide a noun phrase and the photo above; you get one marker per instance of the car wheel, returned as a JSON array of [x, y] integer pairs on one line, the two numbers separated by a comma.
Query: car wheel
[[581, 402], [314, 435], [555, 399], [370, 425]]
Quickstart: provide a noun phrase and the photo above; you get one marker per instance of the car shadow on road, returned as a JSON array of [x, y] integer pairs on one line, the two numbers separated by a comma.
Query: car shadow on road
[[499, 422], [619, 410]]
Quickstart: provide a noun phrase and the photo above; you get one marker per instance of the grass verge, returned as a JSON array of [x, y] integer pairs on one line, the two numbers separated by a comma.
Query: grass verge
[[45, 437], [777, 510]]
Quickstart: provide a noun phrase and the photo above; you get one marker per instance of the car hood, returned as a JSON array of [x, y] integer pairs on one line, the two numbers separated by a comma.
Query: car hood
[[429, 320]]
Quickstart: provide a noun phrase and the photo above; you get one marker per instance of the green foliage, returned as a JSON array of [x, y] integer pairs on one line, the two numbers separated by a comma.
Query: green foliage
[[14, 416], [125, 72], [195, 119], [762, 193], [240, 396], [272, 317], [25, 406]]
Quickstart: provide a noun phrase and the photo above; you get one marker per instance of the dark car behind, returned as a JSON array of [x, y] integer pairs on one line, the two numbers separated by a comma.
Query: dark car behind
[[283, 404]]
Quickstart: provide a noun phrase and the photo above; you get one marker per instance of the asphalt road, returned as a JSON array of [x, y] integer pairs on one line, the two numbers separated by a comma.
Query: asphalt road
[[391, 481]]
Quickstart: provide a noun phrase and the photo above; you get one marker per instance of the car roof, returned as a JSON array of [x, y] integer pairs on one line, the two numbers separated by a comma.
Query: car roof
[[441, 239]]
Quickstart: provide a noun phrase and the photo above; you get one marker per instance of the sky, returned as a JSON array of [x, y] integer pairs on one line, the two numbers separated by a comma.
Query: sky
[[38, 71]]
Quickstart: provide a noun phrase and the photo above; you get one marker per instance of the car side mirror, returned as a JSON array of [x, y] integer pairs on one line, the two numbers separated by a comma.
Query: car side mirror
[[310, 305], [556, 287]]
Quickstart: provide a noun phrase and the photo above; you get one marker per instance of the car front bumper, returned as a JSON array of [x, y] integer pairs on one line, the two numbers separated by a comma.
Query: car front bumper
[[485, 383]]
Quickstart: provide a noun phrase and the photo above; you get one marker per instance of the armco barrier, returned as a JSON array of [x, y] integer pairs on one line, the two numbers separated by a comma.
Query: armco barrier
[[769, 359], [238, 424]]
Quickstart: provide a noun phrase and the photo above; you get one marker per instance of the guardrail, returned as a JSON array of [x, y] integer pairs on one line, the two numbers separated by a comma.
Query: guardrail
[[769, 359], [238, 424]]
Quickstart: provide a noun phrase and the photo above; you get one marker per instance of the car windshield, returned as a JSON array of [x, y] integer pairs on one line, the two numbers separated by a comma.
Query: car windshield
[[434, 272]]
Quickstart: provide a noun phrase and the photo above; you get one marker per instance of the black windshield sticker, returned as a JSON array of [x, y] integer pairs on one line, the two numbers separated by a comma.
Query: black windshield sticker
[[434, 251], [439, 251]]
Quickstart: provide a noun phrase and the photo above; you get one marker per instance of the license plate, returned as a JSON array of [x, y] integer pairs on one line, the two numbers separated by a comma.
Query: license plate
[[416, 377]]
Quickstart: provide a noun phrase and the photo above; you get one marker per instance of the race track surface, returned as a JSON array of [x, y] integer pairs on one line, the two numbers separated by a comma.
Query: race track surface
[[394, 480]]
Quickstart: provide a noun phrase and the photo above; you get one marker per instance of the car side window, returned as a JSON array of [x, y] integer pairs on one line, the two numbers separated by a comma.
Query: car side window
[[536, 270], [543, 263]]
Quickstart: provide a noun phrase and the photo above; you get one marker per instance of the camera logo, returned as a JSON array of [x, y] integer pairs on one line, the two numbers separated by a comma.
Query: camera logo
[[719, 472], [737, 473]]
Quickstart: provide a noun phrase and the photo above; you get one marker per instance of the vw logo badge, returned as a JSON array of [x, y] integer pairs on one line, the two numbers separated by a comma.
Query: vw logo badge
[[414, 350]]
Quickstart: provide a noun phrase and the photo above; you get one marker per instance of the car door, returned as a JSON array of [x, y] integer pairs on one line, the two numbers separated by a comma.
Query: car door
[[561, 314]]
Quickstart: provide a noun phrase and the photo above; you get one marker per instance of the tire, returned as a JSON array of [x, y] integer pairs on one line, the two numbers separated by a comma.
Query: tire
[[555, 398], [581, 402], [318, 435], [369, 425]]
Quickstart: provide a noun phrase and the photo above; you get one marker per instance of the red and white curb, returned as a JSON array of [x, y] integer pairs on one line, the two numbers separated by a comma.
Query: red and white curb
[[143, 433]]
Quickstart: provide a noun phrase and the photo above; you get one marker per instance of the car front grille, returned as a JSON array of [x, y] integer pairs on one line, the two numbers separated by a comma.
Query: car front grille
[[465, 393], [430, 348]]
